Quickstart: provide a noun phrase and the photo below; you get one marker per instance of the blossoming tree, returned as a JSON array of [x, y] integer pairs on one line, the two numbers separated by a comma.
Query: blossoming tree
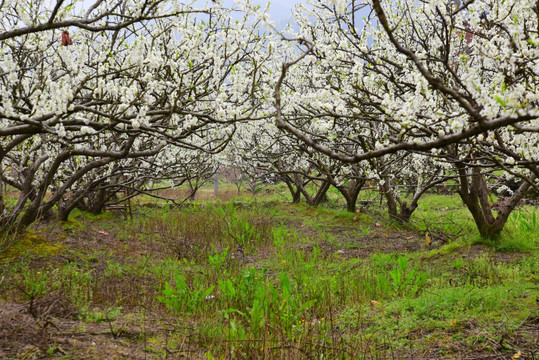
[[138, 79], [456, 81]]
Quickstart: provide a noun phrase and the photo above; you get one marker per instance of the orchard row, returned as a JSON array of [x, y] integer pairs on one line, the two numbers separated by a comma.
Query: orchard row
[[134, 94]]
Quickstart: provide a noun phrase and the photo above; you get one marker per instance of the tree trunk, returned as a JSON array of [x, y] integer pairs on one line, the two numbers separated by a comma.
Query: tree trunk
[[296, 197], [1, 187], [318, 197], [405, 212], [350, 204], [474, 193], [390, 199], [215, 185], [63, 214], [95, 200], [296, 194], [351, 193], [98, 204], [193, 191], [294, 191]]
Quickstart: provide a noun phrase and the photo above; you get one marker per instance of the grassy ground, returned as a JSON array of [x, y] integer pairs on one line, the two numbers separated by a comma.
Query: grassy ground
[[258, 278]]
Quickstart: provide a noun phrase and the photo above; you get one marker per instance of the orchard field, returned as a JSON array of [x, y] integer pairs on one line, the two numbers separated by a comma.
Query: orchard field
[[187, 179], [260, 278]]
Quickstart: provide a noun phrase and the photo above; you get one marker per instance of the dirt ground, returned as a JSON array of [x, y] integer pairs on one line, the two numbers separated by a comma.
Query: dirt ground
[[50, 329]]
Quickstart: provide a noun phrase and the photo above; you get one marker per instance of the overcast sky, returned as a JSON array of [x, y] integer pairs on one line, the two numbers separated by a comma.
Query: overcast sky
[[280, 10]]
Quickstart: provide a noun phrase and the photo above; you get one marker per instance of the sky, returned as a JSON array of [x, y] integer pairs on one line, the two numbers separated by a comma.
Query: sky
[[280, 10]]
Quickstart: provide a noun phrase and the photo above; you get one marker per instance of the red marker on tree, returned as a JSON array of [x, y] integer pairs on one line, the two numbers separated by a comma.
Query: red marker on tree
[[66, 40]]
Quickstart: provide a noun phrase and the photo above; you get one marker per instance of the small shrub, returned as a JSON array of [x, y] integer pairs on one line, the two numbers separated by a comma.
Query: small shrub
[[34, 285]]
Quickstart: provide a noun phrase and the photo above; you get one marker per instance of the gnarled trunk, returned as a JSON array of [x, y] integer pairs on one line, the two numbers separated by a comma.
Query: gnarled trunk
[[351, 193], [399, 210], [294, 191], [319, 196], [474, 193]]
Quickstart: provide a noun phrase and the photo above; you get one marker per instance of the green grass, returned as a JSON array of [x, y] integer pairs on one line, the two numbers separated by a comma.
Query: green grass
[[444, 214], [264, 279]]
